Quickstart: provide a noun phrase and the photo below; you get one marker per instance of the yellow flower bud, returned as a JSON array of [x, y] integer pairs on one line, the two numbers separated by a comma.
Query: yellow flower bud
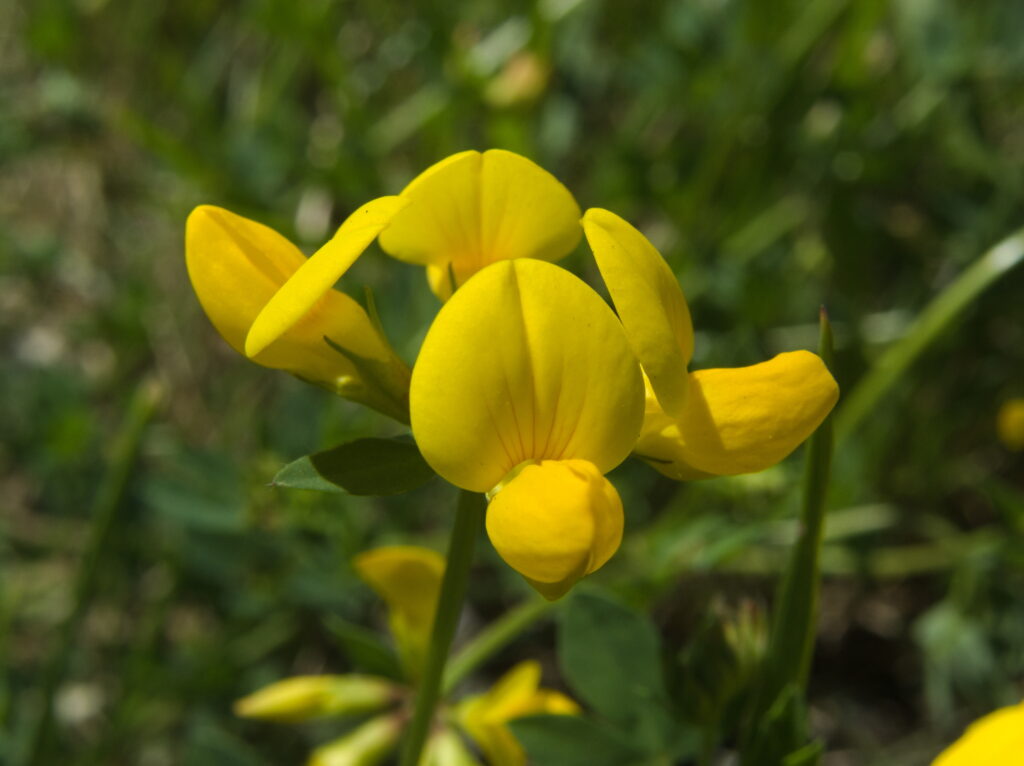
[[367, 745], [304, 697]]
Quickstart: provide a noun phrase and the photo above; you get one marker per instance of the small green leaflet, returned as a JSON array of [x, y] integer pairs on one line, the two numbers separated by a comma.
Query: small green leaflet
[[362, 467]]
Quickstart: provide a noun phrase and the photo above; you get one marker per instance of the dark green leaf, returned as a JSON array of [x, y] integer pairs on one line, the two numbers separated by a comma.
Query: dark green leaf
[[563, 740], [611, 657], [362, 467]]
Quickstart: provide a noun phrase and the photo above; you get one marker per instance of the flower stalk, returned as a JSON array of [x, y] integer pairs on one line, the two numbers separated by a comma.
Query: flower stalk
[[469, 517]]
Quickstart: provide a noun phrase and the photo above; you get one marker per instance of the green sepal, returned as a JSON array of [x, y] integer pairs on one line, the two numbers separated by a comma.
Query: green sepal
[[369, 466]]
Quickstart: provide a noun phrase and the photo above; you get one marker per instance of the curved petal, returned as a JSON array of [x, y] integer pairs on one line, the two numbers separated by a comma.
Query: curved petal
[[741, 420], [525, 362], [407, 577], [556, 522], [649, 301], [317, 274], [997, 738], [473, 209]]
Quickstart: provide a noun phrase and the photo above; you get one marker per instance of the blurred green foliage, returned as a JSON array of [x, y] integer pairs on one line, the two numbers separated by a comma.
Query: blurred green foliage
[[858, 154]]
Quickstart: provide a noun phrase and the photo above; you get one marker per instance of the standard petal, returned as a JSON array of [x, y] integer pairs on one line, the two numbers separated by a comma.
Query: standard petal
[[649, 301], [473, 209], [525, 362], [741, 420], [317, 274], [556, 522]]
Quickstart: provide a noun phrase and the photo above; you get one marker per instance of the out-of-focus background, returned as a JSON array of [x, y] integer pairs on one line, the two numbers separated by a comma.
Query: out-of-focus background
[[857, 153]]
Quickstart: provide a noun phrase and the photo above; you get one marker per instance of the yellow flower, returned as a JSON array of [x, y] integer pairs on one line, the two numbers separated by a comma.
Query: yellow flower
[[301, 698], [526, 389], [1010, 424], [994, 740], [472, 209], [710, 422], [238, 268], [485, 717], [408, 578]]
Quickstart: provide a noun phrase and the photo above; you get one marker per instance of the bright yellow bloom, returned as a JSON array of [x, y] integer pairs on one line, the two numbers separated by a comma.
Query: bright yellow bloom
[[994, 740], [485, 717], [472, 209], [526, 385], [711, 422], [301, 698], [239, 268], [408, 578], [1010, 424]]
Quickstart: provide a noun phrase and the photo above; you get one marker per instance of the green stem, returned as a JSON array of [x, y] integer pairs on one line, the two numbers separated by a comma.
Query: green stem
[[104, 510], [794, 617], [495, 637], [469, 517]]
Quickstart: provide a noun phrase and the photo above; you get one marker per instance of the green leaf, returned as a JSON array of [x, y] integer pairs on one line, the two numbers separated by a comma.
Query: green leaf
[[566, 740], [363, 467], [781, 734], [611, 657]]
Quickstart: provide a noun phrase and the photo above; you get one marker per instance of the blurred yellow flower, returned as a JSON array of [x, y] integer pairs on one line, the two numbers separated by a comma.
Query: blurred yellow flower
[[997, 739], [239, 269], [408, 579], [302, 698], [473, 209], [485, 717], [710, 422], [367, 745], [526, 389], [1010, 424]]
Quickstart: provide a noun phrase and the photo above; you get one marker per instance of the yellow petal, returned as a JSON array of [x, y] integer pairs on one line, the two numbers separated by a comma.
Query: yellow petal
[[994, 740], [556, 522], [473, 209], [237, 265], [649, 301], [514, 695], [741, 420], [317, 275], [525, 362], [407, 577]]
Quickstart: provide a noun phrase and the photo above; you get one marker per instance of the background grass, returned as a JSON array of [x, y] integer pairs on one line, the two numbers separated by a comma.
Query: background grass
[[856, 153]]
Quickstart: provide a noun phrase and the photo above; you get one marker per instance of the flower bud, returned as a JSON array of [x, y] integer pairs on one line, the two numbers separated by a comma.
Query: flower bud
[[304, 697], [367, 745]]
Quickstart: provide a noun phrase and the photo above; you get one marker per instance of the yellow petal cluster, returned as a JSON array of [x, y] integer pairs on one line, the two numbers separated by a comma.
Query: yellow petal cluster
[[710, 422], [997, 739], [516, 694], [526, 388], [408, 579]]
